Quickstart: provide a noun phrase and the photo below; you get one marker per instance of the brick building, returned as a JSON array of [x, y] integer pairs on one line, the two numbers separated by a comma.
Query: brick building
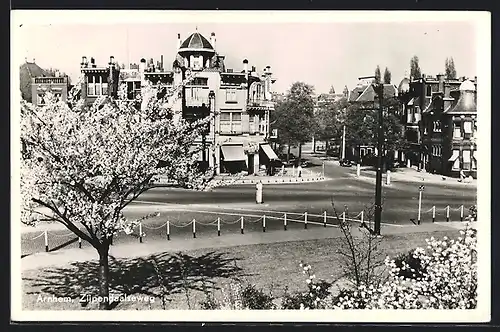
[[35, 82], [240, 100], [441, 124]]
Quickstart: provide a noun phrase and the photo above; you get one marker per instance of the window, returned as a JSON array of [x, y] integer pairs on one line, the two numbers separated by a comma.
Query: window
[[97, 85], [225, 116], [197, 62], [230, 95], [428, 90], [41, 99], [230, 122], [437, 126], [133, 89], [457, 132], [467, 128], [236, 116], [466, 159]]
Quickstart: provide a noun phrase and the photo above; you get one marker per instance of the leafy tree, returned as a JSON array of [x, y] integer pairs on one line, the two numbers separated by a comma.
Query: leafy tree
[[387, 76], [332, 90], [450, 71], [85, 165], [362, 124], [378, 75], [294, 116], [415, 67]]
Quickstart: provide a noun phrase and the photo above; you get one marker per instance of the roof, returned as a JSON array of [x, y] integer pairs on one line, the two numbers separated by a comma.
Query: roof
[[465, 104], [404, 85], [467, 86], [196, 42], [368, 94], [27, 71]]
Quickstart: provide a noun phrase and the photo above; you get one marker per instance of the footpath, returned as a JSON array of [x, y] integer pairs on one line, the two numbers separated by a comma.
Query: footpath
[[133, 250]]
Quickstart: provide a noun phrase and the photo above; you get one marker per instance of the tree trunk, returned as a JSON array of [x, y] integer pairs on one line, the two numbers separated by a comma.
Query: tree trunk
[[104, 277], [314, 145], [326, 148], [300, 153], [288, 153]]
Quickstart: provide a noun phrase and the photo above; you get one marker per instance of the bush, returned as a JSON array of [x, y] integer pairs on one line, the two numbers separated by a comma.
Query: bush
[[410, 267], [255, 299]]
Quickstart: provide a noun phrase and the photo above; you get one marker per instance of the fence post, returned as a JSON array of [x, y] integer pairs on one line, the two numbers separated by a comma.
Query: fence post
[[324, 218], [305, 220], [419, 206], [362, 221], [242, 225], [264, 223], [168, 230], [284, 222], [140, 232], [346, 210], [461, 213], [434, 213], [79, 242], [194, 228], [343, 217], [218, 226], [448, 213], [46, 236]]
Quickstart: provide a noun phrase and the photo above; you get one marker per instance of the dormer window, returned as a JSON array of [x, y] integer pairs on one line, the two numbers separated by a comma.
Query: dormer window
[[197, 62]]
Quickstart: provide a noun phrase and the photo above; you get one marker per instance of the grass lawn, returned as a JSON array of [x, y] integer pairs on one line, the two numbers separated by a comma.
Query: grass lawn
[[268, 266]]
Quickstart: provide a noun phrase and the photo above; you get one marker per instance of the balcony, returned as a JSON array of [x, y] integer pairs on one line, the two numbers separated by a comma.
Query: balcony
[[259, 104], [50, 80], [197, 101]]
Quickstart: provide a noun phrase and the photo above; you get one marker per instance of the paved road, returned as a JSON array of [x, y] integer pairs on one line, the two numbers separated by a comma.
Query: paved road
[[400, 204]]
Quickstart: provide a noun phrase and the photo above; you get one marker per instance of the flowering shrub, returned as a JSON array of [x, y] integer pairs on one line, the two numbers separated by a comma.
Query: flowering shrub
[[448, 281], [409, 266], [313, 298], [236, 296]]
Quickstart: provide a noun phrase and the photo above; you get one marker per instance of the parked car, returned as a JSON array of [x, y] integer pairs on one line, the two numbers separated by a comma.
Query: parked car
[[345, 163]]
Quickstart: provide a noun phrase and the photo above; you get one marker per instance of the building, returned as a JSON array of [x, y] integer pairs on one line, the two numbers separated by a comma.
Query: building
[[35, 82], [365, 97], [239, 100], [440, 124]]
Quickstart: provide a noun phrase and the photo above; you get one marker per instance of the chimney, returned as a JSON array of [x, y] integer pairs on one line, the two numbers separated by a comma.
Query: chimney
[[440, 78], [92, 63], [245, 66], [178, 40], [142, 66], [268, 70], [161, 64], [212, 39], [84, 62], [111, 60]]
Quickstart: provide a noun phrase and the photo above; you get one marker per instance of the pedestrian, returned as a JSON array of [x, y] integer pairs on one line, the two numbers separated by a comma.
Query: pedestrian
[[299, 170], [258, 194]]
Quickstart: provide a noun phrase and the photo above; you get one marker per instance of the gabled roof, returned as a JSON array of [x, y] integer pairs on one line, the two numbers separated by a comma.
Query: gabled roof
[[368, 93], [27, 71]]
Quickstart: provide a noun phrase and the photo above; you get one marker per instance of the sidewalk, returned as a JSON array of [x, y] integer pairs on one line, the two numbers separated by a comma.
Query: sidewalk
[[131, 250]]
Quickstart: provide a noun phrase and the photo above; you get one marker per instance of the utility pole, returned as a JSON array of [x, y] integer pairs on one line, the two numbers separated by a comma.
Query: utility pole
[[343, 143], [380, 140]]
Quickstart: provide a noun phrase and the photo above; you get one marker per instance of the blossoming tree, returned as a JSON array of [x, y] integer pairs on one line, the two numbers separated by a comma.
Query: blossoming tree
[[82, 166]]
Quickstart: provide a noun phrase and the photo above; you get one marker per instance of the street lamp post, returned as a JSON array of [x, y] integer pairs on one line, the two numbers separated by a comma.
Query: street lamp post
[[378, 183]]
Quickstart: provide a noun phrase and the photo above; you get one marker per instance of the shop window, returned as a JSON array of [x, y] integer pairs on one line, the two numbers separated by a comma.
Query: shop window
[[466, 157], [457, 132]]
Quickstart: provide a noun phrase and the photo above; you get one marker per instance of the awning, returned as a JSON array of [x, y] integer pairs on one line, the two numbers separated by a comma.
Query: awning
[[411, 102], [454, 156], [269, 152], [233, 153], [466, 155]]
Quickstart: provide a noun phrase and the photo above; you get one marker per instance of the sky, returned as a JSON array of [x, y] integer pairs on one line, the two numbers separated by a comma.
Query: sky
[[332, 50]]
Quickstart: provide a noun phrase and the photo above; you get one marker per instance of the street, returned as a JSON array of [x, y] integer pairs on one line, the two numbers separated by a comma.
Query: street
[[400, 204]]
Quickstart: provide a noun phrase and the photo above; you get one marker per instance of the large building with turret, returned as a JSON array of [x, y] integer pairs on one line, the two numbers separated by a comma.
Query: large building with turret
[[239, 100]]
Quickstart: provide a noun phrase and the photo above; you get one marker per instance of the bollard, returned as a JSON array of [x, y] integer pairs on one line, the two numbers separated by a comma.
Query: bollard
[[284, 222], [140, 232], [388, 177], [324, 219], [46, 241], [358, 170], [264, 223], [242, 225], [323, 170], [461, 213], [168, 230], [194, 228], [218, 226], [448, 213], [419, 206], [79, 242], [434, 213], [305, 220]]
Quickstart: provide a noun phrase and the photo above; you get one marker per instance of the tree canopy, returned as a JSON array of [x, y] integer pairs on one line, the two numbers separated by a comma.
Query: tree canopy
[[450, 71], [378, 75], [387, 76], [415, 67]]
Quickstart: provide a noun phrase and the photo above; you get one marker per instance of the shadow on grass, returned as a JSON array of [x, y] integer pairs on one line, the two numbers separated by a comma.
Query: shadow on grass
[[65, 244], [159, 276]]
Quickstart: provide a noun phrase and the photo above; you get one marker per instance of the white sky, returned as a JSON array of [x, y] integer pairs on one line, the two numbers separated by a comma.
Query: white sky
[[323, 50]]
